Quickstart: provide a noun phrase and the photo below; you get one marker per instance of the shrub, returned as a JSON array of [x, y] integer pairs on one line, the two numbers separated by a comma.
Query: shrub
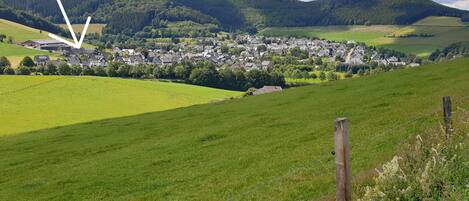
[[9, 71], [27, 62], [250, 91], [4, 62], [23, 70]]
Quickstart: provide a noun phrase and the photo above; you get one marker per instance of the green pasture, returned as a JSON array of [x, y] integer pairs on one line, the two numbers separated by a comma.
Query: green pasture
[[270, 147], [33, 103]]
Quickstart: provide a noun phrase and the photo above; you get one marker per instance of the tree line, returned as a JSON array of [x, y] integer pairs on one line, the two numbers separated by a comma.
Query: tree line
[[201, 73]]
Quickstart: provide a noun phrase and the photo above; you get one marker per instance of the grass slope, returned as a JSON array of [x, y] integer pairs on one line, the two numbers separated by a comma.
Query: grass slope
[[20, 33], [271, 147], [33, 103], [447, 30], [92, 28]]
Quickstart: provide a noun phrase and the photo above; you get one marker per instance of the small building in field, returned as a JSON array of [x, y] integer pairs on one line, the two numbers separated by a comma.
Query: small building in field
[[53, 45], [41, 60], [267, 90]]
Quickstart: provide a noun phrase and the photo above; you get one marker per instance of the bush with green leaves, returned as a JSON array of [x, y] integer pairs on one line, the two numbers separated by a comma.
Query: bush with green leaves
[[4, 62], [23, 70], [27, 62], [9, 71]]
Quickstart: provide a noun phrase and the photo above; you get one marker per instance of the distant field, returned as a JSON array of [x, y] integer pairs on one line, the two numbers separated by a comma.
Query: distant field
[[33, 103], [341, 75], [93, 28], [337, 33], [271, 147], [447, 30], [19, 32]]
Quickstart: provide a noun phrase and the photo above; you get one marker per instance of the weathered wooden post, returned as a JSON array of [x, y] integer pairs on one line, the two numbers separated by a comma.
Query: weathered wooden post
[[447, 112], [342, 158]]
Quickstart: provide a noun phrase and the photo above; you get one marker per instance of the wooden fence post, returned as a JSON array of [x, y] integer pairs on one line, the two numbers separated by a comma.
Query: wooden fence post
[[447, 112], [342, 158]]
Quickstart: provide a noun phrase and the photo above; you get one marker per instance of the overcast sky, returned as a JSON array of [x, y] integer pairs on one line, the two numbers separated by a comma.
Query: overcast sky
[[461, 4]]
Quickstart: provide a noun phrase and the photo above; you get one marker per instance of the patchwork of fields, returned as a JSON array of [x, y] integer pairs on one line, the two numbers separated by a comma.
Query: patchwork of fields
[[446, 30], [33, 103], [270, 147]]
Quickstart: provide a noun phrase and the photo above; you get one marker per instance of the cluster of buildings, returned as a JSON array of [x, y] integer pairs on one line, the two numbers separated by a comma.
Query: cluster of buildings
[[243, 51]]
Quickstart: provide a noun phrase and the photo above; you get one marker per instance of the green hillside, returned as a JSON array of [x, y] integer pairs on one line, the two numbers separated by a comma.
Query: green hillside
[[131, 17], [33, 103], [445, 31], [270, 147], [28, 19]]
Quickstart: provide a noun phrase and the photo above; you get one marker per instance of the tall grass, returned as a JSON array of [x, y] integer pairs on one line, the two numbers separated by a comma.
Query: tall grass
[[430, 167]]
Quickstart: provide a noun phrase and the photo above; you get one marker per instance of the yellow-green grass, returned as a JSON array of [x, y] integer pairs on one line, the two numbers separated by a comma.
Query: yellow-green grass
[[33, 103], [270, 147], [440, 21], [21, 33], [92, 28], [336, 33], [16, 53], [447, 30], [317, 80]]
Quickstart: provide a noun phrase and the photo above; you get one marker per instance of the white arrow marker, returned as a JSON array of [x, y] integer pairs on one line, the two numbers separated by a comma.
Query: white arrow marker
[[77, 43]]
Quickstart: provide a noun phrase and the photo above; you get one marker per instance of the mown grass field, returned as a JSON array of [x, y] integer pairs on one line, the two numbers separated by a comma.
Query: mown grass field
[[33, 103], [447, 30], [270, 147], [92, 28]]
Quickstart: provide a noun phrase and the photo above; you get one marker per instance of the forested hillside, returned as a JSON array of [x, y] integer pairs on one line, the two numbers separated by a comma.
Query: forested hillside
[[28, 20], [153, 16]]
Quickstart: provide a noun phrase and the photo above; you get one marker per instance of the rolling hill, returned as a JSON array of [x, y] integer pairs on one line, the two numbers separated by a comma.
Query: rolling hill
[[7, 13], [134, 16], [445, 31], [33, 103], [270, 147]]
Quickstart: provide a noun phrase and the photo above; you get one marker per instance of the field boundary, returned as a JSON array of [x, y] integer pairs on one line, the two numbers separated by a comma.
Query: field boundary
[[32, 86]]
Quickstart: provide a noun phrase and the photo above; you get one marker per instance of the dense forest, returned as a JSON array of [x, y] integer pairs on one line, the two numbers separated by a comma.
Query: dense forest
[[151, 17], [29, 20]]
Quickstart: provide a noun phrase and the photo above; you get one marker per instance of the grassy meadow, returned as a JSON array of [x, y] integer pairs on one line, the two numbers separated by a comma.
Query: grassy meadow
[[92, 28], [447, 30], [33, 103], [270, 147]]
